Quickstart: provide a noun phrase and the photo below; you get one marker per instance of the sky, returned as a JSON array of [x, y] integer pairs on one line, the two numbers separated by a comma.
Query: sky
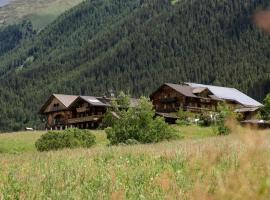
[[4, 2]]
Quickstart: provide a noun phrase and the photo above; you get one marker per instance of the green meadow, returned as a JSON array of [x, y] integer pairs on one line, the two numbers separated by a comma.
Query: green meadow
[[21, 142], [41, 12], [199, 166]]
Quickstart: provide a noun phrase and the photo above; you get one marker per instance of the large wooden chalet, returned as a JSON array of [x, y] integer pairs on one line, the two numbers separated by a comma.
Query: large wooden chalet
[[198, 98]]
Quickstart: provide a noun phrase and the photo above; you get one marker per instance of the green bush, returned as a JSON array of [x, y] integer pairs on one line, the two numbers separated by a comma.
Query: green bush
[[185, 118], [139, 124], [70, 138], [223, 130], [205, 120], [183, 115], [182, 122], [265, 111], [108, 119], [225, 113], [121, 102]]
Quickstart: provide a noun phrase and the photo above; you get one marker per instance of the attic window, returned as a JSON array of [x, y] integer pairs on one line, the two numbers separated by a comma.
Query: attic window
[[56, 105]]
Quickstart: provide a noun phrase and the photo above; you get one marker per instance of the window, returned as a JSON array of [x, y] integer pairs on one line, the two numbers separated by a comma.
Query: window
[[56, 105]]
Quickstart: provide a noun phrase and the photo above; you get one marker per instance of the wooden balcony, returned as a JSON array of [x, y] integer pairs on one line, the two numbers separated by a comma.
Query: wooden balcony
[[196, 109], [205, 100], [92, 118], [82, 109]]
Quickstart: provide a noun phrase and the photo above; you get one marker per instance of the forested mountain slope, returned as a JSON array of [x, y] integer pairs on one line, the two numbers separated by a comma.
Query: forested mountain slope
[[135, 45], [12, 35]]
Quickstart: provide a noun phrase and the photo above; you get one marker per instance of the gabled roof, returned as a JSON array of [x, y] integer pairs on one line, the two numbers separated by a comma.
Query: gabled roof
[[229, 94], [94, 101], [199, 90], [183, 89], [66, 100]]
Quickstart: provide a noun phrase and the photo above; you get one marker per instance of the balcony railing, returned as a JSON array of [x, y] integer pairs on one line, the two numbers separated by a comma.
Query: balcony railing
[[82, 109], [85, 119], [196, 109]]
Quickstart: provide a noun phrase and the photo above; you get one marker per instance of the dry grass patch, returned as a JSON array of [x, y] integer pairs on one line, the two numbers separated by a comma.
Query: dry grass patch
[[231, 167]]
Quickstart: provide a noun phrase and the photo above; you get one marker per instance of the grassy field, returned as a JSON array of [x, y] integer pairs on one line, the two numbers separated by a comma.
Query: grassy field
[[15, 143], [40, 12], [197, 167]]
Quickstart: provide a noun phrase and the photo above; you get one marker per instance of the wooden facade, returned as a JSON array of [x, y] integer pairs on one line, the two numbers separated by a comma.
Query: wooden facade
[[169, 98], [87, 114], [67, 111], [55, 111]]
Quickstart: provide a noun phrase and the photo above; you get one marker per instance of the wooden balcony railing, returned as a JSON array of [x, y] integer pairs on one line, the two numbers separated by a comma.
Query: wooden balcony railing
[[185, 108], [85, 119], [196, 109], [82, 109]]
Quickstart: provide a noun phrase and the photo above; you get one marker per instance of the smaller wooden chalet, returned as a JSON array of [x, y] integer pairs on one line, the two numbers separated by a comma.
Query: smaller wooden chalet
[[198, 98], [56, 112], [67, 111], [87, 111]]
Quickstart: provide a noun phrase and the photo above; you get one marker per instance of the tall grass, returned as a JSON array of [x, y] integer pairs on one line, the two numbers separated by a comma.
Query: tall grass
[[18, 142], [231, 167]]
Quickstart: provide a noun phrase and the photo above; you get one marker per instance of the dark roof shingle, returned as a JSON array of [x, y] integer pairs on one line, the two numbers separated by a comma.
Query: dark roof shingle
[[183, 89]]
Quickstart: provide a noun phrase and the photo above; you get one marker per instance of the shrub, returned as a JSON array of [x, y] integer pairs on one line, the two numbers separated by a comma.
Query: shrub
[[108, 119], [183, 115], [225, 114], [138, 124], [186, 118], [121, 102], [223, 130], [265, 111], [70, 138], [205, 120], [182, 122]]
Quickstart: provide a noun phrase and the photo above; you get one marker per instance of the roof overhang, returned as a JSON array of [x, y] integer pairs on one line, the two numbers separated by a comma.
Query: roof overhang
[[44, 106], [95, 101]]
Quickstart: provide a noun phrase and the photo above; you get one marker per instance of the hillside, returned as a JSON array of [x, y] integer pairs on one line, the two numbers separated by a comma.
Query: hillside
[[40, 12], [135, 45], [11, 36]]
